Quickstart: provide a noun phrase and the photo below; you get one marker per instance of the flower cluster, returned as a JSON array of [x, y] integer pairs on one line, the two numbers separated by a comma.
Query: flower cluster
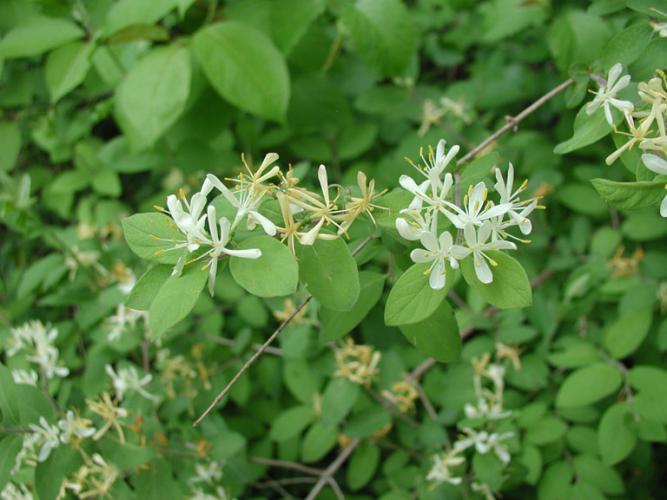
[[485, 416], [482, 223], [127, 379], [644, 120], [357, 363], [306, 215], [36, 340]]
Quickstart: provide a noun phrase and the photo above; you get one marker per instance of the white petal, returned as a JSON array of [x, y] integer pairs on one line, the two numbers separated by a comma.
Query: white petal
[[268, 226], [225, 229], [407, 231], [470, 235], [614, 73], [459, 252], [419, 256], [429, 241], [310, 237], [408, 183], [445, 240], [212, 271], [484, 232], [251, 253], [213, 223], [482, 269], [438, 277], [663, 207], [655, 163]]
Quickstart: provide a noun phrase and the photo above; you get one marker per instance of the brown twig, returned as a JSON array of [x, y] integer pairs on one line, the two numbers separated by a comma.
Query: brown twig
[[513, 122], [229, 343], [328, 473], [264, 346], [284, 464]]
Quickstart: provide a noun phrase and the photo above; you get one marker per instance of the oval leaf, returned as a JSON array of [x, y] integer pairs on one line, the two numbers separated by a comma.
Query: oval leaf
[[588, 385], [412, 299], [436, 336], [152, 236]]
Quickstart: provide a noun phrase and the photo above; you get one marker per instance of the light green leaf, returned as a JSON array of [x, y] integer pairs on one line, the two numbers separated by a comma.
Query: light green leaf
[[37, 35], [128, 12], [330, 272], [176, 299], [626, 46], [412, 299], [587, 385], [49, 475], [363, 463], [616, 434], [436, 336], [625, 334], [317, 442], [337, 400], [630, 195], [157, 482], [335, 325], [478, 169], [382, 32], [10, 138], [147, 287], [590, 469], [9, 406], [153, 94], [503, 18], [545, 430], [588, 129], [290, 20], [510, 286], [66, 67], [582, 198], [125, 455], [152, 236], [9, 448], [274, 274], [555, 482], [245, 68], [577, 37], [290, 423], [645, 225]]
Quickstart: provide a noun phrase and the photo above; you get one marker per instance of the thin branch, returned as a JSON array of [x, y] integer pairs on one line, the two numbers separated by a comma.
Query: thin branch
[[264, 346], [229, 343], [284, 464], [327, 475], [513, 122]]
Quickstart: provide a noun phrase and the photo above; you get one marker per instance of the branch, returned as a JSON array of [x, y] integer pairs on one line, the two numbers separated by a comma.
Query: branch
[[264, 346], [328, 473], [513, 122]]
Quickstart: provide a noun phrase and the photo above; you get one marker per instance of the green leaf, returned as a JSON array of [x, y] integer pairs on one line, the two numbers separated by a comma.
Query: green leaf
[[274, 274], [37, 35], [582, 198], [545, 430], [129, 12], [10, 138], [9, 406], [157, 482], [290, 20], [588, 468], [412, 299], [147, 287], [382, 32], [436, 336], [318, 441], [152, 236], [645, 225], [503, 18], [125, 455], [626, 46], [66, 67], [9, 448], [577, 37], [510, 286], [290, 423], [153, 94], [33, 404], [630, 195], [555, 482], [337, 400], [176, 299], [588, 129], [335, 325], [478, 170], [616, 434], [245, 68], [330, 272], [50, 474], [588, 385], [624, 335], [362, 466]]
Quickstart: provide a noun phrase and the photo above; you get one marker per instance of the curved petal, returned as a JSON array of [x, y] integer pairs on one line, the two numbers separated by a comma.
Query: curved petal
[[429, 241], [225, 230], [268, 226], [212, 271], [482, 269], [251, 253], [445, 240], [406, 230], [438, 275], [663, 207], [484, 232], [212, 223], [459, 252], [419, 256], [324, 182], [310, 237], [655, 163], [470, 235], [525, 226], [408, 183]]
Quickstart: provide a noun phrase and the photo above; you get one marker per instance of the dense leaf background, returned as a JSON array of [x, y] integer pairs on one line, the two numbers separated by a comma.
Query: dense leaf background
[[107, 107]]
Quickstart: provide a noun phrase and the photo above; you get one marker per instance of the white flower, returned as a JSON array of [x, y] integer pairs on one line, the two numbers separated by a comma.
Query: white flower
[[324, 210], [476, 209], [433, 192], [658, 165], [127, 380], [44, 436], [437, 251], [34, 336], [27, 377], [191, 219], [486, 409], [122, 319], [606, 95], [660, 28], [485, 442], [246, 201], [478, 244], [518, 210], [209, 473], [441, 464], [73, 425], [418, 223], [11, 492], [219, 246]]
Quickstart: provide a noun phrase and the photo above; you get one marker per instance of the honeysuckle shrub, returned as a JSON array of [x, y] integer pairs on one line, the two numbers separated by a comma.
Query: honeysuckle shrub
[[251, 249]]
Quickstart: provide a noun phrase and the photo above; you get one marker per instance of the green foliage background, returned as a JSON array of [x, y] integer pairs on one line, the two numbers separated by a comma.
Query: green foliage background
[[106, 107]]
